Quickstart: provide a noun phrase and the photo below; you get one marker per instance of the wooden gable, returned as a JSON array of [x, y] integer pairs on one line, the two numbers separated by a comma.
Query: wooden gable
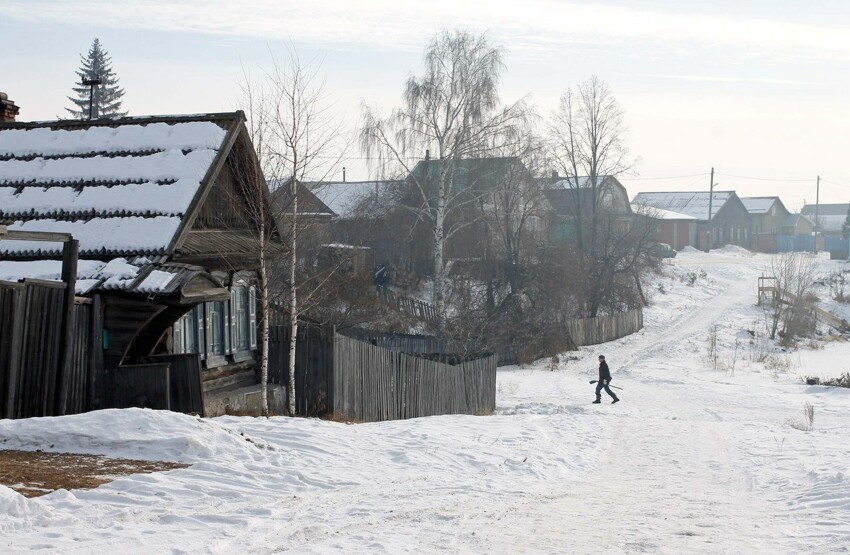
[[222, 233]]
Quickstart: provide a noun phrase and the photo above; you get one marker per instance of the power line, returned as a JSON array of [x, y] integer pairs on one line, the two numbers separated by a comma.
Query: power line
[[765, 178], [834, 183], [660, 178]]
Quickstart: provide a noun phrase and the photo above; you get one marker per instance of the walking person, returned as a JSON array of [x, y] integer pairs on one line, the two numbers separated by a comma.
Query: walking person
[[604, 380]]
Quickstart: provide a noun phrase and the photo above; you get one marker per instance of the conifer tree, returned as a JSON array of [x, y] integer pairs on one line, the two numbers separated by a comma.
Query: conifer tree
[[106, 101]]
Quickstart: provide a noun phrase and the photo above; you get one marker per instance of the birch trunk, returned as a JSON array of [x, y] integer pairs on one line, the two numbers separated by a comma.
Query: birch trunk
[[439, 267], [293, 296], [264, 327]]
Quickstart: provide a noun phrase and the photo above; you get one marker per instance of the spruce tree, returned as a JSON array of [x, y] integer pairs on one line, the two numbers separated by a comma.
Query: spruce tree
[[106, 101]]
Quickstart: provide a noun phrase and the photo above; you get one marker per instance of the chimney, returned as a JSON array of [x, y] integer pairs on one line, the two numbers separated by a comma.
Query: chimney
[[8, 110], [554, 174], [343, 174]]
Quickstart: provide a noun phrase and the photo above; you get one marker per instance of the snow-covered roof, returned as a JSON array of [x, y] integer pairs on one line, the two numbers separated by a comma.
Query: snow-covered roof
[[660, 213], [793, 219], [343, 197], [693, 204], [758, 205], [117, 274], [839, 209], [118, 186]]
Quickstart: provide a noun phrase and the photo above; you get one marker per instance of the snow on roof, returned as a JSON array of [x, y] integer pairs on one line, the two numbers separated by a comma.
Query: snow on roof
[[117, 274], [343, 197], [758, 205], [693, 204], [793, 219], [660, 213], [831, 223], [826, 209], [118, 186], [119, 235]]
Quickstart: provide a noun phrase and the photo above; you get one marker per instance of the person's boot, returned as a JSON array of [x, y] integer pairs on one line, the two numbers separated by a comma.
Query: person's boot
[[597, 401], [616, 400]]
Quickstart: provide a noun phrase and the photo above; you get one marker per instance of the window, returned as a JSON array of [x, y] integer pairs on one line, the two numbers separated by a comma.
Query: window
[[219, 328], [241, 320], [186, 334], [215, 318]]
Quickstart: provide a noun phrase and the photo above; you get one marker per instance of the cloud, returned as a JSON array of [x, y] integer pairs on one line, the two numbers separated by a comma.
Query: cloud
[[534, 26]]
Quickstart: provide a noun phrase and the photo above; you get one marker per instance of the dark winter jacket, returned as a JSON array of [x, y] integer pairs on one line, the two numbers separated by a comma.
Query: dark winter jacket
[[604, 373]]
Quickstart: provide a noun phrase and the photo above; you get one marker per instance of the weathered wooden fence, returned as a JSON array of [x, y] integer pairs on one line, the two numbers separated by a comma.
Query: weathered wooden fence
[[601, 329], [373, 383], [407, 305], [414, 343], [313, 366], [142, 385], [185, 381], [45, 356], [359, 379]]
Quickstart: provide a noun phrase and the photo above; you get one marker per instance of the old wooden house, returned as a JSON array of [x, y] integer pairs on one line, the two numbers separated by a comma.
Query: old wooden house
[[166, 212], [728, 224]]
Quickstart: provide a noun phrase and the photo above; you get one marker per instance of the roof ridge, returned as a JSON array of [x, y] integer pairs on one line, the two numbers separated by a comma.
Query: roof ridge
[[127, 120]]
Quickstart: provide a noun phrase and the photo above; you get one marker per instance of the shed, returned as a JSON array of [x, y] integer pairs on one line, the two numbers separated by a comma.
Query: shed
[[674, 228]]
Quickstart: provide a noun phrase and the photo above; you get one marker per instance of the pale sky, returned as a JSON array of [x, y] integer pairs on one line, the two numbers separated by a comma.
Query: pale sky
[[755, 88]]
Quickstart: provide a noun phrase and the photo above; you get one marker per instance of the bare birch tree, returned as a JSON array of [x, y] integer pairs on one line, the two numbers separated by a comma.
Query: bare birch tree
[[295, 141], [452, 110]]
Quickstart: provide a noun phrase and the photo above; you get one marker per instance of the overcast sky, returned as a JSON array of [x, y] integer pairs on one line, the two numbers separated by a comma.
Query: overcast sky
[[755, 88]]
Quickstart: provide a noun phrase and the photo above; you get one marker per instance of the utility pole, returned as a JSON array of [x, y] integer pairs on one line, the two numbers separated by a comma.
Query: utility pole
[[710, 198], [817, 205]]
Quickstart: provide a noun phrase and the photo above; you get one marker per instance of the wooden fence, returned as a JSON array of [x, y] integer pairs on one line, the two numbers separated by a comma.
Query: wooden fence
[[313, 366], [601, 329], [185, 381], [355, 379], [142, 385], [373, 383], [407, 305], [413, 343], [45, 355]]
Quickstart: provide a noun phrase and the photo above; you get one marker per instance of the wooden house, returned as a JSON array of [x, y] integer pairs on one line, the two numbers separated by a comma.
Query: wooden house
[[728, 224], [166, 211], [768, 215]]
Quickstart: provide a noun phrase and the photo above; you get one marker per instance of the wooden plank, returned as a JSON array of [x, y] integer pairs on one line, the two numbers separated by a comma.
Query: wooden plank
[[70, 255], [143, 386]]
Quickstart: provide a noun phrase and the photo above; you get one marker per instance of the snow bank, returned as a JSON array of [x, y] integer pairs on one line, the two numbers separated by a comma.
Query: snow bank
[[131, 433]]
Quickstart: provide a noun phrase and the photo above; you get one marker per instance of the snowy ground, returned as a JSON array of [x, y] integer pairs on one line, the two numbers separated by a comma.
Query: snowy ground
[[693, 460]]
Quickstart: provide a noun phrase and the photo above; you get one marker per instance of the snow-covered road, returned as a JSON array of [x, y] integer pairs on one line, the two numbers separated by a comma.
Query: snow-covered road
[[693, 460]]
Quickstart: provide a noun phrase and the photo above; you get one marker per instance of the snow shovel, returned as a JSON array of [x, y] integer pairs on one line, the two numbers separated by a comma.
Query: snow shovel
[[609, 385]]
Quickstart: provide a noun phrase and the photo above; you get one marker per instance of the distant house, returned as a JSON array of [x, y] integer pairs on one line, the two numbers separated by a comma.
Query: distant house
[[572, 198], [797, 233], [769, 215], [676, 229], [830, 220], [729, 222], [482, 189], [167, 242]]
